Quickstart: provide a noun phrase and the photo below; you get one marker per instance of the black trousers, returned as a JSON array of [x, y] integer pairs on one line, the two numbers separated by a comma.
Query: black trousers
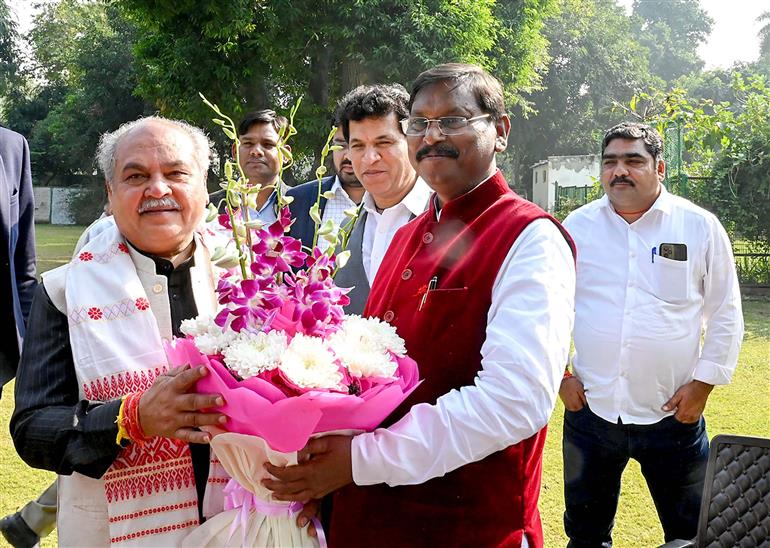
[[672, 456]]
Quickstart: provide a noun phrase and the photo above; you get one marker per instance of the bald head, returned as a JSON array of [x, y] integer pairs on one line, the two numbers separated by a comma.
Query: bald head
[[157, 185], [106, 152]]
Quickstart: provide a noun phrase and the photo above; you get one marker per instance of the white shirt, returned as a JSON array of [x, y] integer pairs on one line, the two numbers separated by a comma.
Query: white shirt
[[335, 209], [515, 391], [381, 227], [639, 316]]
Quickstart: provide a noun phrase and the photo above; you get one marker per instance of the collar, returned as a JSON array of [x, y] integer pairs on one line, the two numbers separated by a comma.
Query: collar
[[414, 201], [337, 185], [662, 203], [152, 264], [437, 207], [470, 205], [273, 198]]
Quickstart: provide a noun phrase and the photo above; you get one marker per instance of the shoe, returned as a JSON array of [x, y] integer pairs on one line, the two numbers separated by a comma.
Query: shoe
[[17, 532]]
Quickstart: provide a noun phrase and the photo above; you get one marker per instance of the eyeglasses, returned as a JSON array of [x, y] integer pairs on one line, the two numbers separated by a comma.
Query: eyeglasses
[[447, 125]]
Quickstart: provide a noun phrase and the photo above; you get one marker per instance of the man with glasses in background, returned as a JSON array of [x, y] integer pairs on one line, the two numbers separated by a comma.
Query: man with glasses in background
[[481, 288], [347, 192]]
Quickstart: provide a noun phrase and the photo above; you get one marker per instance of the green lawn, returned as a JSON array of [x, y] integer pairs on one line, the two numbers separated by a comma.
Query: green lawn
[[740, 408], [54, 245]]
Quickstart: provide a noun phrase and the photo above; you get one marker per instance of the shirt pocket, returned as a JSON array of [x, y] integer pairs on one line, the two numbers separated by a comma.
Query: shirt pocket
[[671, 280], [443, 307]]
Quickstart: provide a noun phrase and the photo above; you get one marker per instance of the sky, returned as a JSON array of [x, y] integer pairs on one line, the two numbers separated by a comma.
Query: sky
[[733, 38], [735, 34]]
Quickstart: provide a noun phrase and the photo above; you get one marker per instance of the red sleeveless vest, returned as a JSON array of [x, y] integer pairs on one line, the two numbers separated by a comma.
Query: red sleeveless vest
[[491, 502]]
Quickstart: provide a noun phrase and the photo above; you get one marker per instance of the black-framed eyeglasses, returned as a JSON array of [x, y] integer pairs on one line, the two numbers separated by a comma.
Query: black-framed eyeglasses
[[447, 125]]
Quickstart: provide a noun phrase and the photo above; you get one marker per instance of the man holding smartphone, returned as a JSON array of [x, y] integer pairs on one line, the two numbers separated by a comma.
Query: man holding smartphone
[[654, 270]]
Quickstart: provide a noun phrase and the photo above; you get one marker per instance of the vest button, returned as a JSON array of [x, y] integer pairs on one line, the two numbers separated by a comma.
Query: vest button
[[157, 288], [427, 238], [388, 316], [406, 274]]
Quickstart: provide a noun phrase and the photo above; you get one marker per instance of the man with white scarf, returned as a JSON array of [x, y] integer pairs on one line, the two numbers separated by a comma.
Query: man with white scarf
[[95, 400]]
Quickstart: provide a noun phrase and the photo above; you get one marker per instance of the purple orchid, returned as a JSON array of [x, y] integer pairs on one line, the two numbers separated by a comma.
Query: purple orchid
[[276, 250]]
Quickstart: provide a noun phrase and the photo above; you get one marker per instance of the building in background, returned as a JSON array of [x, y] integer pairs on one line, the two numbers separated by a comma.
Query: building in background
[[561, 177]]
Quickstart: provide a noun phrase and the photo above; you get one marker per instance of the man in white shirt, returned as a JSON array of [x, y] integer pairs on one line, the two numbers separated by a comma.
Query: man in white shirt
[[369, 117], [481, 288], [655, 273], [258, 133]]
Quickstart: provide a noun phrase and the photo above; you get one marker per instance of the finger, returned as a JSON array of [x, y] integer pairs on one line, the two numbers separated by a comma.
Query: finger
[[174, 371], [302, 496], [317, 446], [304, 454], [195, 402], [582, 396], [191, 435], [184, 380], [284, 473], [195, 420], [285, 489], [308, 512], [672, 403]]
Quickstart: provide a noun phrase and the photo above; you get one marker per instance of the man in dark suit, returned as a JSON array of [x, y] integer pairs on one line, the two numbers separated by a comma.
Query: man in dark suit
[[17, 285], [346, 187], [17, 250]]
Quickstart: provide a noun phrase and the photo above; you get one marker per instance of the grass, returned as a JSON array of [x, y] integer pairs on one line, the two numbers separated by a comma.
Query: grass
[[739, 408], [742, 407], [55, 244]]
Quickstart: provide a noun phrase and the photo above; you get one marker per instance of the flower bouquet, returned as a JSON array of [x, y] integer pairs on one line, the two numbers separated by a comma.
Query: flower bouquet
[[287, 361]]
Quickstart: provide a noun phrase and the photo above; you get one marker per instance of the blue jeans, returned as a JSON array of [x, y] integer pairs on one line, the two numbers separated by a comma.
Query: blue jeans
[[672, 456]]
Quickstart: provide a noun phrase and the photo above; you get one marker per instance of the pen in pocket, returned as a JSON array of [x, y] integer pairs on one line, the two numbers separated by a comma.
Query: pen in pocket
[[431, 286], [654, 252]]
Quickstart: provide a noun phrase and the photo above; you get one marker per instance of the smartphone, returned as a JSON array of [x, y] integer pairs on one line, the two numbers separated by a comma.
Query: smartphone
[[674, 252]]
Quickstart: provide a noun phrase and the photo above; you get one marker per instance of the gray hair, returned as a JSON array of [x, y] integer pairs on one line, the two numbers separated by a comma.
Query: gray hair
[[108, 144]]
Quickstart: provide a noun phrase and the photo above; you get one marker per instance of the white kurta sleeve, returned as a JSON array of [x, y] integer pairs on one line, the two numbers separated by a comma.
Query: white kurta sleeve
[[528, 337]]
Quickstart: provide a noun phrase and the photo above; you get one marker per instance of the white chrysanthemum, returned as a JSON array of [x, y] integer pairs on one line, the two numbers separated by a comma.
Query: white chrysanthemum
[[197, 326], [363, 346], [367, 364], [373, 334], [250, 354], [209, 337], [308, 363]]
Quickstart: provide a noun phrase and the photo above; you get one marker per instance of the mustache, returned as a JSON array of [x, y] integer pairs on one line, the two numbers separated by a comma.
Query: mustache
[[440, 149], [160, 203], [626, 180]]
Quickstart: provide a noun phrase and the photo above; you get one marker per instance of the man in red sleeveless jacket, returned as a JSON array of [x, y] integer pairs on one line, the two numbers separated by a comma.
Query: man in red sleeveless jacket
[[481, 288]]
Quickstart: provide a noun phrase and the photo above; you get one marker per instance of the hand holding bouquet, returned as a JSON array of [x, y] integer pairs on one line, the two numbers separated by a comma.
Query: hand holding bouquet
[[288, 362]]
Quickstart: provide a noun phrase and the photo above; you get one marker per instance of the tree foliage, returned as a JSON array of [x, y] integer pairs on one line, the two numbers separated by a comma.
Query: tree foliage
[[728, 150], [81, 85], [764, 34], [592, 63], [672, 30], [9, 54], [246, 54]]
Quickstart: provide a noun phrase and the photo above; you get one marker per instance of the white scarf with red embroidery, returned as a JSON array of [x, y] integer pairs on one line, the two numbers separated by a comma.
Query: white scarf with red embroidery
[[116, 343]]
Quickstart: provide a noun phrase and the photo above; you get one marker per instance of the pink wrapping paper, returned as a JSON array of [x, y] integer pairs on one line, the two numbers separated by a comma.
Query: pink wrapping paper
[[256, 407]]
